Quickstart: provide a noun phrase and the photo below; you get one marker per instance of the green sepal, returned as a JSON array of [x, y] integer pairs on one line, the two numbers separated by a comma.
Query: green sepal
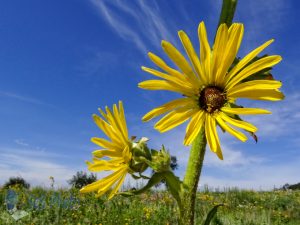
[[211, 214], [154, 152], [136, 177]]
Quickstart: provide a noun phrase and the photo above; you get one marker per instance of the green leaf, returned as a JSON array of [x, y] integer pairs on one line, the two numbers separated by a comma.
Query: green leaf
[[261, 75], [155, 179], [211, 214], [173, 184]]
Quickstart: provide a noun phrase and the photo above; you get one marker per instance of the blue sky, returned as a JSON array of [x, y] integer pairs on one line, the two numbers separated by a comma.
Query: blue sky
[[60, 60]]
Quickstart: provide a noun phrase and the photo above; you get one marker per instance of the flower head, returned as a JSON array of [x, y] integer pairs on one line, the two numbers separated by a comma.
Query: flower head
[[211, 84], [117, 151]]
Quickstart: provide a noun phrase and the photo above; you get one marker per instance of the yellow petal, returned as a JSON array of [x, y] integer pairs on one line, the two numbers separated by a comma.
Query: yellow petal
[[107, 153], [161, 64], [238, 123], [177, 103], [101, 165], [115, 122], [122, 117], [259, 94], [246, 60], [194, 127], [117, 186], [104, 183], [120, 123], [218, 53], [205, 51], [244, 111], [181, 84], [126, 154], [188, 46], [109, 184], [175, 80], [103, 114], [257, 66], [181, 62], [254, 85], [163, 85], [174, 118], [212, 136], [235, 35], [105, 143], [239, 135], [108, 130]]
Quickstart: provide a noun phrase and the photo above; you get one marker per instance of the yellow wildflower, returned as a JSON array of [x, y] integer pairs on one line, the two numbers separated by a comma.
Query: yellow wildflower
[[210, 85]]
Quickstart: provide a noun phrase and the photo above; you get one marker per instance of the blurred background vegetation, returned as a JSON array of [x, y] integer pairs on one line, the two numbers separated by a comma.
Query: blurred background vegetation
[[157, 207]]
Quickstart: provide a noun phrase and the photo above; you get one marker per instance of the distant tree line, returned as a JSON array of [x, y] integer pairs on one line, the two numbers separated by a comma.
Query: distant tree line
[[291, 186], [81, 179]]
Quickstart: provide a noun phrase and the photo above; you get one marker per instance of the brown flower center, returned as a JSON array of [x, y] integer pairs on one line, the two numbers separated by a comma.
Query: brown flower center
[[212, 99]]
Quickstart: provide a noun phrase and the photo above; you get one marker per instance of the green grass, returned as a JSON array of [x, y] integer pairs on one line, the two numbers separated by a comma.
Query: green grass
[[69, 207]]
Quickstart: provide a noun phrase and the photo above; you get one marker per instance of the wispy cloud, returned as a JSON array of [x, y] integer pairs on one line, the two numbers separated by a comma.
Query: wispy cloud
[[21, 142], [23, 98], [134, 17], [120, 27], [262, 19], [99, 63]]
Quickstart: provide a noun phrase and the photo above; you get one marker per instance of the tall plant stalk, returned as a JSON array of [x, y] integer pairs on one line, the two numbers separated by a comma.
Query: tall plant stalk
[[190, 183]]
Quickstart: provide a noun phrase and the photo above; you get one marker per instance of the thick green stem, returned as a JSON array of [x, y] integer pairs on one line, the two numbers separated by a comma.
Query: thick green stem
[[191, 179], [195, 163], [227, 13]]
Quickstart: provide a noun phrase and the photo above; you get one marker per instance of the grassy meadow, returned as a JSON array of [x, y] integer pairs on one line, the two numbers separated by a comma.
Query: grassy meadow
[[155, 208]]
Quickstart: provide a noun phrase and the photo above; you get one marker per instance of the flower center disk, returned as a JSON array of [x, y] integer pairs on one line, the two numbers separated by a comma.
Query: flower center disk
[[212, 99]]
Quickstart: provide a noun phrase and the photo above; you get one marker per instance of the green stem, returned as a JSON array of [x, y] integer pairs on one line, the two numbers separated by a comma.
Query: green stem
[[195, 163], [227, 13], [191, 179]]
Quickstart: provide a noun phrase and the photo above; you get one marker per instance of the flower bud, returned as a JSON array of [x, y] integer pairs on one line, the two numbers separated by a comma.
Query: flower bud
[[160, 160], [140, 155]]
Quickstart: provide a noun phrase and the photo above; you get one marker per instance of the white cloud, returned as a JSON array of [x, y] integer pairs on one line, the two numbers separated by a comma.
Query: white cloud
[[34, 166], [232, 158], [256, 176], [143, 17]]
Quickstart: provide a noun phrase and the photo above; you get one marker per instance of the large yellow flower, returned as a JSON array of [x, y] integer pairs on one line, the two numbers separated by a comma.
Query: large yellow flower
[[117, 150], [210, 84]]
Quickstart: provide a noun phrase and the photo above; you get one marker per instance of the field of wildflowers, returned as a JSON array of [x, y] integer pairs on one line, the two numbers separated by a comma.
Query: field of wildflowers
[[155, 208]]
